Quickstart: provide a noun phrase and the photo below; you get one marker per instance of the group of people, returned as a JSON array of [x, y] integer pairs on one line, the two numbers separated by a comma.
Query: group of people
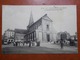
[[30, 43]]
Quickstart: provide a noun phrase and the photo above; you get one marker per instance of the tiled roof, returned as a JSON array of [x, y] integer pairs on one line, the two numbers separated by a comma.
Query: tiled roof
[[22, 31], [10, 30]]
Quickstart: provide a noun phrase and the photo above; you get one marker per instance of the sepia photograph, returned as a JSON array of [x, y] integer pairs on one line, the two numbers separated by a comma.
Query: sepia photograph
[[39, 29]]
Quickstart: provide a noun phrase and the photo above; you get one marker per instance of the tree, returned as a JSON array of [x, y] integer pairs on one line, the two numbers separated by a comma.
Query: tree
[[65, 35]]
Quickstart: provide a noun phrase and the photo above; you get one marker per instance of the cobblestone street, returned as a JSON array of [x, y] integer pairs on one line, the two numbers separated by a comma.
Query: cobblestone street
[[44, 48]]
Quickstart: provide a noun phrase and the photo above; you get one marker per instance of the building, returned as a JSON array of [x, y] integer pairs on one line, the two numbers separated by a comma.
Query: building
[[19, 35], [41, 30], [9, 36]]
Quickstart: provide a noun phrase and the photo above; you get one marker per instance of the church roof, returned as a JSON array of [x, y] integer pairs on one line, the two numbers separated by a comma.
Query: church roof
[[46, 17], [43, 17]]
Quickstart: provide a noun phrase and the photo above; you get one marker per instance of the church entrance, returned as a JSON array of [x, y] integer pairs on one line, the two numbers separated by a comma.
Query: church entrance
[[48, 38]]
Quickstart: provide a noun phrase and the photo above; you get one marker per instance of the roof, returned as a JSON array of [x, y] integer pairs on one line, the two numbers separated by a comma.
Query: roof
[[46, 17], [43, 17], [10, 30], [22, 31]]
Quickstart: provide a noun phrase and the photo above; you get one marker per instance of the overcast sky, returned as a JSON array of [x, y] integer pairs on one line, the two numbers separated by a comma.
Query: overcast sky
[[17, 16]]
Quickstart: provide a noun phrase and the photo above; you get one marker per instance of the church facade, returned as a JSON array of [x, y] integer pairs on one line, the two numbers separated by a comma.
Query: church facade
[[41, 30]]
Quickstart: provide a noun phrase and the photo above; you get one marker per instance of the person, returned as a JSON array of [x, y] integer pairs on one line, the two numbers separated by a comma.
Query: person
[[61, 42], [30, 43]]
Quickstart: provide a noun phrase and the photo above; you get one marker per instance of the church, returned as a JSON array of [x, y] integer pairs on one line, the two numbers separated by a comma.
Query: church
[[41, 30]]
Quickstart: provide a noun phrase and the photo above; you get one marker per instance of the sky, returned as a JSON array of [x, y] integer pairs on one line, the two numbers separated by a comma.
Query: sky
[[64, 17]]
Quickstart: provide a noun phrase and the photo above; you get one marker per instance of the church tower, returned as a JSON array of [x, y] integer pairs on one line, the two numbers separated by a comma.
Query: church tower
[[31, 21]]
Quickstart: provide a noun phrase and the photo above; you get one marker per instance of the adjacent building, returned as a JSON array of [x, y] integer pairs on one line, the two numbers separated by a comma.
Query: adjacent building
[[9, 35], [19, 35]]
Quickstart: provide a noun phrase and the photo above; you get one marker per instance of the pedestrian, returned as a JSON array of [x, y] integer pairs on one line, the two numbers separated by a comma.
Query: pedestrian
[[61, 41], [61, 44], [30, 44]]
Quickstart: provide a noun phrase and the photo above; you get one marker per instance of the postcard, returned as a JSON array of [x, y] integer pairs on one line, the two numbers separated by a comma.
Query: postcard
[[39, 29]]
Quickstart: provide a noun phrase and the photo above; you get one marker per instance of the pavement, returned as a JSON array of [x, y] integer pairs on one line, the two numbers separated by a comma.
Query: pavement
[[44, 48], [55, 46]]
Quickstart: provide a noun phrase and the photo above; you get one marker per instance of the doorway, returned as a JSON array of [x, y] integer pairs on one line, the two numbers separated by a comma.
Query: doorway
[[48, 38]]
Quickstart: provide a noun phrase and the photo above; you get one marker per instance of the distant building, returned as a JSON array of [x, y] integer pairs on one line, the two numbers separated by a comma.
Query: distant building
[[41, 30], [19, 35], [9, 35]]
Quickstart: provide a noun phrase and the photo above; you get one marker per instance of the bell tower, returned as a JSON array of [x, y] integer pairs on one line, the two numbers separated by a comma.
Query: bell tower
[[31, 21]]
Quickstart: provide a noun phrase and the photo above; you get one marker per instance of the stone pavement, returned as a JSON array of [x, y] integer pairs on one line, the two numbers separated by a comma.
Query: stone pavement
[[55, 46], [49, 45], [44, 48]]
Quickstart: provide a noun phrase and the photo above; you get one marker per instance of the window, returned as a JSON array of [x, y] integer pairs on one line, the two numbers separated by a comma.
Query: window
[[47, 27], [34, 34]]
